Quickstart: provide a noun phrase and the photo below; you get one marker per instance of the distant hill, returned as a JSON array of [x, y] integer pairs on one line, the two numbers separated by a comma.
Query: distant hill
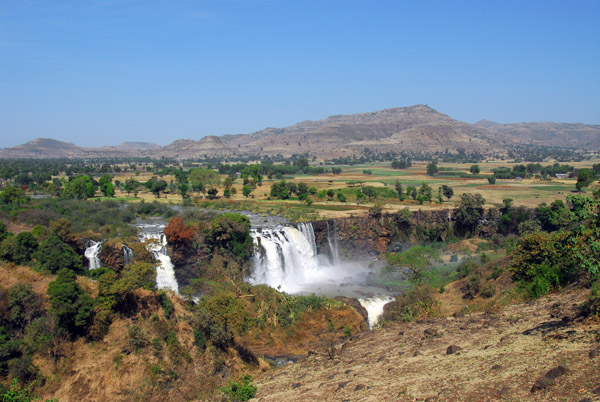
[[564, 135], [414, 129]]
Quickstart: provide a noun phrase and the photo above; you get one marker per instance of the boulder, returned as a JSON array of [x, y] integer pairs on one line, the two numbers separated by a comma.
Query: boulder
[[548, 379], [452, 349]]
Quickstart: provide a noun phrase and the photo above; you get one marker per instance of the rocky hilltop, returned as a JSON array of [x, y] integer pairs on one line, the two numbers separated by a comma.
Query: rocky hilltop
[[415, 129]]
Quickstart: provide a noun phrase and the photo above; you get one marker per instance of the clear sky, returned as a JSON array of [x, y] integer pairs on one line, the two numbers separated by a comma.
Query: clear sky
[[100, 72]]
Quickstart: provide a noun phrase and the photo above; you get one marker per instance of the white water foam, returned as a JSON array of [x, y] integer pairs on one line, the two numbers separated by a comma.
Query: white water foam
[[157, 245], [91, 253], [374, 307], [286, 258]]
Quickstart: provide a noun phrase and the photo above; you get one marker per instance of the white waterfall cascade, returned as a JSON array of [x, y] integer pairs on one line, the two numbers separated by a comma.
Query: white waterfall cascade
[[165, 273], [333, 243], [127, 254], [91, 253], [374, 307], [286, 258]]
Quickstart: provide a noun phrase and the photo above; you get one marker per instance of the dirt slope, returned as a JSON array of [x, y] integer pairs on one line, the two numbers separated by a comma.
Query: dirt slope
[[502, 356]]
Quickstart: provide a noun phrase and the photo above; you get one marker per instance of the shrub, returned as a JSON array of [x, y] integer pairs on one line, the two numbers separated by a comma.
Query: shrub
[[417, 302], [488, 291], [72, 307], [137, 339], [166, 304], [240, 391]]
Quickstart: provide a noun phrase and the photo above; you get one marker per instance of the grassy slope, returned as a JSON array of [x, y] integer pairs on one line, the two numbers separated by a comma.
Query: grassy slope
[[503, 354]]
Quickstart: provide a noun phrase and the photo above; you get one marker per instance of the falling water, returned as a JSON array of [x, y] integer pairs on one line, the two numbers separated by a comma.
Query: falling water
[[374, 307], [127, 254], [332, 240], [157, 245], [286, 258], [91, 253]]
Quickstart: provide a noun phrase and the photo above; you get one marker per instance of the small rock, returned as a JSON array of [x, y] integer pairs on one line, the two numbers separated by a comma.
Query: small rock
[[586, 400], [417, 353], [597, 391], [458, 314], [594, 353], [431, 333], [453, 349], [343, 384], [359, 387], [505, 391], [296, 385], [347, 371], [381, 358], [556, 372], [401, 333], [431, 399], [496, 367], [542, 383], [548, 379]]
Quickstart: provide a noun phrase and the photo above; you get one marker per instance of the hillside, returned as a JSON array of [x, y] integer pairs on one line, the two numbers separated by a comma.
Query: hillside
[[502, 355], [415, 129], [564, 135]]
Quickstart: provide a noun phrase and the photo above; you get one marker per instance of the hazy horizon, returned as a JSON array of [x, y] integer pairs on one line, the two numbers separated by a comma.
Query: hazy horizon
[[108, 71]]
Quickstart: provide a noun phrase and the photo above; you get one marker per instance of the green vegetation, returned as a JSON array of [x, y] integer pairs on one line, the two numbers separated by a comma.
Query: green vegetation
[[240, 391]]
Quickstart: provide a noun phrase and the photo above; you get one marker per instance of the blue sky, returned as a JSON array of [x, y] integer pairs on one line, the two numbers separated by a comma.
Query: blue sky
[[100, 72]]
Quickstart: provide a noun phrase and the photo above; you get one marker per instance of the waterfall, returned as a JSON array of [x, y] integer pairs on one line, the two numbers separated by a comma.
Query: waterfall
[[374, 307], [91, 253], [157, 245], [333, 243], [127, 254], [286, 258]]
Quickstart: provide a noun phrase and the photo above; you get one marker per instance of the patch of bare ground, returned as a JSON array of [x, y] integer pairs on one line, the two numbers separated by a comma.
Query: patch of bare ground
[[500, 356]]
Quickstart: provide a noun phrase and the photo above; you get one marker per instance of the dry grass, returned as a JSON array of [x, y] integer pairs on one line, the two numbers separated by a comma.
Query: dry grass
[[503, 355]]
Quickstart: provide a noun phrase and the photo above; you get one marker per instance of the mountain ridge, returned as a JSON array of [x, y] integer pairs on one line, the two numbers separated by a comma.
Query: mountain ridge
[[412, 129]]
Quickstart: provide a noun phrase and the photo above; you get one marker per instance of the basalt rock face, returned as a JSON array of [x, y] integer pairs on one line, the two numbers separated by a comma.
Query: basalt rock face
[[359, 237]]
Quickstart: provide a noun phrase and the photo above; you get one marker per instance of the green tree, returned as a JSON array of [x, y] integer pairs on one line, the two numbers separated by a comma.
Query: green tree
[[72, 307], [398, 187], [469, 213], [330, 194], [80, 187], [432, 169], [341, 197], [131, 185], [369, 191], [585, 177], [204, 179], [19, 249], [447, 191], [475, 169], [156, 186], [106, 186], [280, 190], [425, 192], [416, 260], [246, 190], [492, 179], [24, 306], [54, 255], [230, 236]]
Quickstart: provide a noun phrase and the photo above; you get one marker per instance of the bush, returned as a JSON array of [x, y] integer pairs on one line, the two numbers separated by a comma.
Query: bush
[[488, 291], [243, 391], [417, 302], [166, 304], [73, 308], [137, 339]]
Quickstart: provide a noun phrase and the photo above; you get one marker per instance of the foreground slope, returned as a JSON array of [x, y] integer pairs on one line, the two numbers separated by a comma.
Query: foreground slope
[[502, 355]]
